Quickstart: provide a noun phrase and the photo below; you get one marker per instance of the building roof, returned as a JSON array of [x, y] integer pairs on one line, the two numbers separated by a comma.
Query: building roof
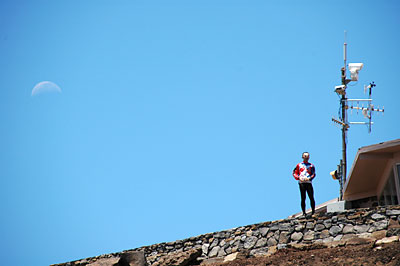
[[370, 170]]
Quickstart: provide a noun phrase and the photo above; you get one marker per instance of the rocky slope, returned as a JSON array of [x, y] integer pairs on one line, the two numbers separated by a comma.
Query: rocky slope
[[271, 241]]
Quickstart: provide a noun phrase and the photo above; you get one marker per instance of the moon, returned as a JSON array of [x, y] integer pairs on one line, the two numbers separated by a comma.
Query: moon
[[45, 87]]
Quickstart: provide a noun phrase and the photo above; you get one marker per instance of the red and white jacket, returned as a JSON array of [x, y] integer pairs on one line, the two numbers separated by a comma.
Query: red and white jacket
[[304, 169]]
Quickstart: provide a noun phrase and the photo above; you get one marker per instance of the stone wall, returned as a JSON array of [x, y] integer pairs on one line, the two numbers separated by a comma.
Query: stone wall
[[330, 229]]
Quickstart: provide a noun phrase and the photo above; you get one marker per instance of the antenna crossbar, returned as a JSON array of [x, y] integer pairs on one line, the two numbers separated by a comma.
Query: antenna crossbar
[[361, 123], [359, 100]]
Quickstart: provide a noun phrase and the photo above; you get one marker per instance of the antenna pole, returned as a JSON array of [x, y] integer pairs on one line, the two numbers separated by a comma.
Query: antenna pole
[[343, 106], [343, 120]]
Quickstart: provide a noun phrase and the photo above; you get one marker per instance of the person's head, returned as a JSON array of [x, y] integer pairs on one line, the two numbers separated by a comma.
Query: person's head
[[305, 156]]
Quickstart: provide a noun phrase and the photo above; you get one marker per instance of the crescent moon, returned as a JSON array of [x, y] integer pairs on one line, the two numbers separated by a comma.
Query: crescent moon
[[45, 87]]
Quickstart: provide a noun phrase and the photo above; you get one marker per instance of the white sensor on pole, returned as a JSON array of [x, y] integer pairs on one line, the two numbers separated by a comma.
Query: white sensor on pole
[[354, 68]]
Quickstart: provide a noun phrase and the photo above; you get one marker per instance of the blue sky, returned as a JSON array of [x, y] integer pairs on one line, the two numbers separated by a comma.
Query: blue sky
[[175, 118]]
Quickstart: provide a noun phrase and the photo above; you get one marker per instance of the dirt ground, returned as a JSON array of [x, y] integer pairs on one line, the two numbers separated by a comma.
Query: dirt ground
[[366, 254]]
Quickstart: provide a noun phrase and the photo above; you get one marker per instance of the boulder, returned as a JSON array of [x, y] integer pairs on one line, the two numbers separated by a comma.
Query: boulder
[[214, 252], [319, 227], [359, 229], [348, 229], [309, 235], [114, 261], [377, 216], [334, 230], [379, 234], [264, 231], [272, 241], [262, 242], [297, 236], [392, 212], [133, 258], [250, 242], [231, 257], [387, 240], [179, 258]]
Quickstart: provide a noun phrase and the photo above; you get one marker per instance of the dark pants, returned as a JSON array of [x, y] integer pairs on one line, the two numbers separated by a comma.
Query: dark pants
[[307, 187]]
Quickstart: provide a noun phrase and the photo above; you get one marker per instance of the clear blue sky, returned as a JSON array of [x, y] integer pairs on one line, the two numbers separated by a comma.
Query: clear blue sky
[[175, 118]]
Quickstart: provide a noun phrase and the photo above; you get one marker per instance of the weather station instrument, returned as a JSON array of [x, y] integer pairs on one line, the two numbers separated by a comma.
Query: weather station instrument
[[364, 106]]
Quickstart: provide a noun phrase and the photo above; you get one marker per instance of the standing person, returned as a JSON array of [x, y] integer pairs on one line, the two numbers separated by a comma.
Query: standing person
[[304, 172]]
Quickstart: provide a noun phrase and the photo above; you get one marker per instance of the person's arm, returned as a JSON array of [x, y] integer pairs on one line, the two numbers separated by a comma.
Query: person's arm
[[296, 172], [313, 173]]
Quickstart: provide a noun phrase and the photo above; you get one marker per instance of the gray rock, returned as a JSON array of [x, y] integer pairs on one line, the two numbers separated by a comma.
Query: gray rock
[[221, 253], [105, 262], [319, 227], [236, 244], [309, 235], [250, 233], [327, 224], [133, 258], [220, 235], [310, 225], [380, 225], [393, 232], [338, 238], [270, 234], [214, 252], [283, 238], [328, 239], [214, 243], [262, 242], [272, 242], [334, 230], [377, 216], [274, 227], [228, 250], [297, 236], [392, 212], [324, 234], [281, 246], [276, 235], [299, 227], [364, 235], [250, 242], [359, 229], [204, 248], [264, 231], [348, 229], [284, 227], [197, 247], [259, 252]]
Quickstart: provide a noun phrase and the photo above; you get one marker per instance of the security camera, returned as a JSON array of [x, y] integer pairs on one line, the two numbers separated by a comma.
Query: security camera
[[340, 89], [354, 68]]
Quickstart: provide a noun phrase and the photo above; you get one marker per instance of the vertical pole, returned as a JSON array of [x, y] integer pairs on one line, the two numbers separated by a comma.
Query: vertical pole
[[344, 133], [343, 103], [340, 175]]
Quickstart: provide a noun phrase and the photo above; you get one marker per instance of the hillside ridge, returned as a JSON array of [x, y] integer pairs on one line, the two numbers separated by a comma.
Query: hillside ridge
[[373, 226]]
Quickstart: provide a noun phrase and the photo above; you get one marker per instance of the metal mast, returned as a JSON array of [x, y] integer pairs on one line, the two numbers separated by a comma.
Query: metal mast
[[354, 68], [344, 118]]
